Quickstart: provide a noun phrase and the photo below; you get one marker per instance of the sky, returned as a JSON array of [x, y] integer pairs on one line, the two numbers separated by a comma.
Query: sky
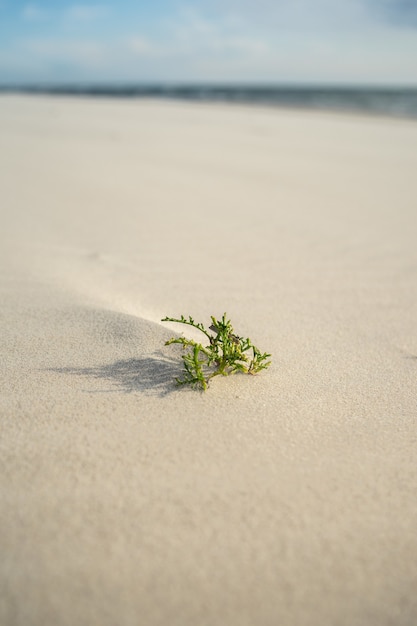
[[372, 42]]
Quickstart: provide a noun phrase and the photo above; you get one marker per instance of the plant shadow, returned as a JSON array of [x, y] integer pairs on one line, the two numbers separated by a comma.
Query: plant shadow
[[153, 374]]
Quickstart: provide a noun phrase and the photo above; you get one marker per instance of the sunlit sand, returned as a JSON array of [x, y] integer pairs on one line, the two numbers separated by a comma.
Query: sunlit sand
[[287, 498]]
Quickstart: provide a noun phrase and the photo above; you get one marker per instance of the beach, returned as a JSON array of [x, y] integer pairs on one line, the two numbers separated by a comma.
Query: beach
[[284, 498]]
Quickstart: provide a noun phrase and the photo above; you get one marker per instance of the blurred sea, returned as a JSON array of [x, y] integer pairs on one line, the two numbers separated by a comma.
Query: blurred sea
[[398, 102]]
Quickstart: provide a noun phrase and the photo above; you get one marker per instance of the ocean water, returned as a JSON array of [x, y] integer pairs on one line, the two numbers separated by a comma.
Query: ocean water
[[398, 102]]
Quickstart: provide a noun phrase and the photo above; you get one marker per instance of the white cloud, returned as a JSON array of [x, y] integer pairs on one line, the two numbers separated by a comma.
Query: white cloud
[[88, 54], [86, 12], [231, 40], [74, 13], [142, 47], [33, 13], [243, 45], [197, 35], [316, 16], [296, 40]]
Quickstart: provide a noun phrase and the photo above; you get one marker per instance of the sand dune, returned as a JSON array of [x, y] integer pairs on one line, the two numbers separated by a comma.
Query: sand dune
[[286, 498]]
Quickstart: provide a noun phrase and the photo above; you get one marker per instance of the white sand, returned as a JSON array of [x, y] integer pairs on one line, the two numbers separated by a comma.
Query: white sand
[[283, 499]]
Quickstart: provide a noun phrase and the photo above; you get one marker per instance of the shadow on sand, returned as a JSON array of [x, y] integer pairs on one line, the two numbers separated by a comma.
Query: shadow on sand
[[152, 374]]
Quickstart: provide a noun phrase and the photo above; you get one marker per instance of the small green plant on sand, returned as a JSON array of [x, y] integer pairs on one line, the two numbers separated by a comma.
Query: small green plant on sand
[[224, 353]]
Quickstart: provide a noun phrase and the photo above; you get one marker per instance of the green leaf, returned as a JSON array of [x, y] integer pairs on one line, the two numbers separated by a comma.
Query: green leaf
[[225, 354]]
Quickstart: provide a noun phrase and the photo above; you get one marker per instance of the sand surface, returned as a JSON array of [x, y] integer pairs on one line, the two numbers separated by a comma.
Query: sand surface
[[285, 499]]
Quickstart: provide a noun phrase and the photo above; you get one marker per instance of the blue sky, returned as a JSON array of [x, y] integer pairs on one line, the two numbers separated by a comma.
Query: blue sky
[[290, 41]]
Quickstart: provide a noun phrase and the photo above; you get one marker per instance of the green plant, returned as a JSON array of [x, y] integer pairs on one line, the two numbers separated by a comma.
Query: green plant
[[225, 353]]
